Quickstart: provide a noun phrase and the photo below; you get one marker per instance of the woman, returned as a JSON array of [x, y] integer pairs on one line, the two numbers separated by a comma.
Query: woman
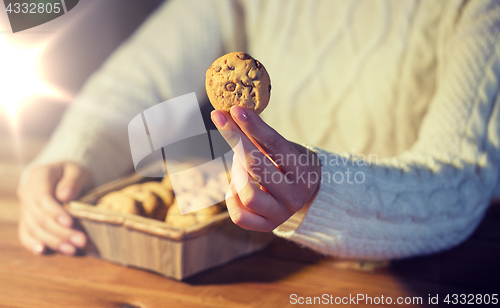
[[414, 84]]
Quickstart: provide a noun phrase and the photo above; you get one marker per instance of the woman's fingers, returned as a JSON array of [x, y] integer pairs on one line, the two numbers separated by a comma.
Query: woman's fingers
[[71, 183], [43, 186], [243, 217], [63, 234], [281, 150], [256, 164], [298, 164], [53, 210], [44, 223], [285, 188], [38, 229], [30, 242], [251, 196]]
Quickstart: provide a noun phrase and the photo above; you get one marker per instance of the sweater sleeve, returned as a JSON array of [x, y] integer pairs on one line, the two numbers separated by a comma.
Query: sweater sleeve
[[167, 57], [433, 196]]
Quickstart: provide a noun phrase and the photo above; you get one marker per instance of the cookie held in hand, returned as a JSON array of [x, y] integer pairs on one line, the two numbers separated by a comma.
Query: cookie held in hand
[[238, 79]]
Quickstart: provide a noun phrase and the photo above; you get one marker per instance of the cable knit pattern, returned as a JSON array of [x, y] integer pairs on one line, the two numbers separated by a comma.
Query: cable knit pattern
[[433, 195], [415, 82]]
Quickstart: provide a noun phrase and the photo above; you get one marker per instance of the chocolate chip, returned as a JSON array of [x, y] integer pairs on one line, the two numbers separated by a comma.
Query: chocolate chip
[[230, 86], [243, 56], [239, 94], [254, 74], [252, 94], [247, 84], [217, 68], [228, 66], [257, 64]]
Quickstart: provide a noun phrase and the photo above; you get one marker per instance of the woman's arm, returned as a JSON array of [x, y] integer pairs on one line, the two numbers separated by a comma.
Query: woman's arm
[[433, 196], [167, 57]]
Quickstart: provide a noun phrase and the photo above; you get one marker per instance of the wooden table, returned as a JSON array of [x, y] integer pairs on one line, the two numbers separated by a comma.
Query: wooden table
[[264, 279]]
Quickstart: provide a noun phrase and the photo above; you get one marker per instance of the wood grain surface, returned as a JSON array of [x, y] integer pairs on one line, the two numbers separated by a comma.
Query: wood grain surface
[[264, 279]]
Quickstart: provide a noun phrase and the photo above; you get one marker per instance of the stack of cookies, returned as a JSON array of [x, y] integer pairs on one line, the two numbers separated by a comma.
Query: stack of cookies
[[197, 188], [149, 199], [156, 200]]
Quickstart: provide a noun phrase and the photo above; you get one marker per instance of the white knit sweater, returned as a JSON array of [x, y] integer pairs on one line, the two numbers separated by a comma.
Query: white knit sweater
[[415, 83]]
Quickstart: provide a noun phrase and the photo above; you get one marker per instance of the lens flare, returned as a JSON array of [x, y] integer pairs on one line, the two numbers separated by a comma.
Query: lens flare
[[19, 78]]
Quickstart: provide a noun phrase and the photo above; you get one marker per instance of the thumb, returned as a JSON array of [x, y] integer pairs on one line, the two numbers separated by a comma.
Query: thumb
[[71, 183]]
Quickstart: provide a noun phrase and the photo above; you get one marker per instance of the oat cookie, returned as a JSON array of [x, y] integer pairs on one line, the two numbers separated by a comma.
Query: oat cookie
[[177, 220], [208, 212], [165, 194], [189, 180], [167, 183], [121, 203], [238, 79], [151, 203], [216, 187]]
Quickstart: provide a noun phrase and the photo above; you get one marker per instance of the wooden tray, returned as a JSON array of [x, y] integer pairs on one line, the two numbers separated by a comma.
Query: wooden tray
[[153, 245]]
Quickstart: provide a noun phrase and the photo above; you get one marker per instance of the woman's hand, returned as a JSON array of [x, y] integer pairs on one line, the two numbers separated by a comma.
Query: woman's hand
[[44, 223], [284, 190]]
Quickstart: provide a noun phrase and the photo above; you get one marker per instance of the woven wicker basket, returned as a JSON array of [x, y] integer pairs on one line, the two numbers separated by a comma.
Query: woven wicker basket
[[153, 245]]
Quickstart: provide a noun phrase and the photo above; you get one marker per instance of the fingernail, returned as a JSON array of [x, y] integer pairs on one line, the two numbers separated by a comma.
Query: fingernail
[[218, 118], [77, 239], [38, 249], [239, 113], [67, 249], [64, 220]]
